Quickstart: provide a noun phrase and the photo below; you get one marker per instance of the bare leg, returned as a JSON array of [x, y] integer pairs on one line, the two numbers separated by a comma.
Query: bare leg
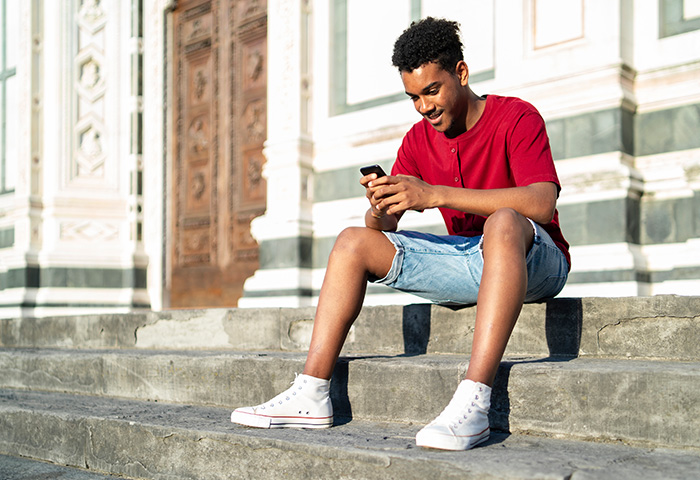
[[357, 253], [508, 237]]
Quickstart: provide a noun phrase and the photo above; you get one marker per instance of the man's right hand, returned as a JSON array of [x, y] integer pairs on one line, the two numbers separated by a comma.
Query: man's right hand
[[376, 218], [369, 193]]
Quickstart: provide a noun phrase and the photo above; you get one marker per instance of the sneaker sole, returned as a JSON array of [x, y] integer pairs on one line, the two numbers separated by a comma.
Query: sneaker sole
[[444, 442], [264, 421]]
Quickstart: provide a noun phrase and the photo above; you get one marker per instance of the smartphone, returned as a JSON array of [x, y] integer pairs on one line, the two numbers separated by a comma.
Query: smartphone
[[372, 169]]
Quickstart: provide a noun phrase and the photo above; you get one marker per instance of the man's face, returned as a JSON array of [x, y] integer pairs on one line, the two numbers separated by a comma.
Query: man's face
[[438, 96]]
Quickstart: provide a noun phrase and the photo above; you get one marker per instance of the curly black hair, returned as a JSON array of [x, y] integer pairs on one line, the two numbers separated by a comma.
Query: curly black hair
[[428, 40]]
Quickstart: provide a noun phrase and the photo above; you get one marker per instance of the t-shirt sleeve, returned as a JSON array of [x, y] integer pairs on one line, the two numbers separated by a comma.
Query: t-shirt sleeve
[[529, 154], [405, 163]]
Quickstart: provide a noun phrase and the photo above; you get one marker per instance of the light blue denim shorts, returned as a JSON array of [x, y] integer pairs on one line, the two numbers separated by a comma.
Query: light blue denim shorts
[[446, 269]]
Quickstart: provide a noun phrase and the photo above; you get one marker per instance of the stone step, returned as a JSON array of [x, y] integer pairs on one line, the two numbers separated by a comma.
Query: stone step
[[161, 441], [660, 327], [635, 401], [19, 468]]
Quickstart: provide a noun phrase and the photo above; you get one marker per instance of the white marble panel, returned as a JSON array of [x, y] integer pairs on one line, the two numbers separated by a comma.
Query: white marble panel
[[691, 9], [676, 287], [652, 52], [522, 62], [11, 132], [12, 33], [664, 257], [603, 289], [557, 21], [370, 42], [597, 177], [476, 19], [605, 257]]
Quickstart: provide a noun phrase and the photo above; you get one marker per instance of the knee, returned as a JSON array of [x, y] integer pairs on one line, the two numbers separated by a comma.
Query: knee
[[503, 220], [351, 240], [506, 226]]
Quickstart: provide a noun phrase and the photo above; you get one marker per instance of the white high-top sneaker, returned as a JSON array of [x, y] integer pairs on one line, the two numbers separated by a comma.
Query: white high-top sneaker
[[464, 423], [306, 404]]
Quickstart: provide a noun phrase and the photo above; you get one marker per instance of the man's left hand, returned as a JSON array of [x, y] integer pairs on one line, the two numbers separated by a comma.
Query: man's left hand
[[396, 194]]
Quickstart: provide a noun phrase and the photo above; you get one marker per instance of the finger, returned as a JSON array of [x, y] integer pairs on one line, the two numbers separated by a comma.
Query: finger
[[388, 201], [368, 178], [385, 189], [386, 180]]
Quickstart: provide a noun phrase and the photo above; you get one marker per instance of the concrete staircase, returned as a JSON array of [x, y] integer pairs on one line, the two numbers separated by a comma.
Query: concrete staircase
[[589, 388]]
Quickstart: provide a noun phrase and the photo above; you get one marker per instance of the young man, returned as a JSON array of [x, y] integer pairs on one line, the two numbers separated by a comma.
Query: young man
[[485, 162]]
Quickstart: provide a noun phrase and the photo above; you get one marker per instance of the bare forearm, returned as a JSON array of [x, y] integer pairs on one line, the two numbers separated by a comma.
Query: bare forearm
[[385, 223], [536, 201]]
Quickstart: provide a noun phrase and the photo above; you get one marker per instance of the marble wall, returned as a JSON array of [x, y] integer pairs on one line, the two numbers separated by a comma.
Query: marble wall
[[616, 81]]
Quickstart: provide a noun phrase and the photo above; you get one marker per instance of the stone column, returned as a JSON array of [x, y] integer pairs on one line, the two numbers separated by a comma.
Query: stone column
[[157, 147], [77, 213], [285, 231], [21, 209]]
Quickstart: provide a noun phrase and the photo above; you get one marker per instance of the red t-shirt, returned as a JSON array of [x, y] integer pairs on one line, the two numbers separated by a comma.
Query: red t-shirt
[[508, 147]]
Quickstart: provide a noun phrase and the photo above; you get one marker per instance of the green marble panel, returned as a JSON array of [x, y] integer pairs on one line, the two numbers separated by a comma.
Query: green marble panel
[[342, 183], [669, 221], [286, 253], [74, 277], [7, 237], [667, 130], [607, 221], [672, 20]]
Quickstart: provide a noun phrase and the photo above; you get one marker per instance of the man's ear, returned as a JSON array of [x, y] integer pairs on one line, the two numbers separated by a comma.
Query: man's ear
[[462, 72]]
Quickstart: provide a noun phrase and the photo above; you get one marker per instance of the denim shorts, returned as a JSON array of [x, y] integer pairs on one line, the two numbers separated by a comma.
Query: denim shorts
[[446, 269]]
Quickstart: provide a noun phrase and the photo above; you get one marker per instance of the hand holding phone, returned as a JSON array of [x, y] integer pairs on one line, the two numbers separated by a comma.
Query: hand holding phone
[[379, 171], [373, 169]]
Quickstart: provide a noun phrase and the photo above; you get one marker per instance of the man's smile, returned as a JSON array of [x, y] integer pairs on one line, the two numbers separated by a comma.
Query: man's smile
[[434, 117]]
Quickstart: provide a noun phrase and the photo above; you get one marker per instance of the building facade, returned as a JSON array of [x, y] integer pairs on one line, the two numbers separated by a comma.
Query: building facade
[[141, 137]]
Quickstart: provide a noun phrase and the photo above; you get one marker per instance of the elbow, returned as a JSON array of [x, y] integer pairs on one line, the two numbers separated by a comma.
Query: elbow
[[544, 213], [544, 204]]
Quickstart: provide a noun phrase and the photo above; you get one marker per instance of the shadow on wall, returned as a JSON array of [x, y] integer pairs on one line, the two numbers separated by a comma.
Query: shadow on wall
[[416, 334], [563, 326]]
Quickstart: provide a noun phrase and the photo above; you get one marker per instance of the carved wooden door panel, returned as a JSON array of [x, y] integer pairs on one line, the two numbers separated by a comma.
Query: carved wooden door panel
[[219, 105]]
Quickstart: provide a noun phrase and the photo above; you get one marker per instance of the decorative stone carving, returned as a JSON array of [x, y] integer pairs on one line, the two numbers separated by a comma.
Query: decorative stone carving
[[254, 54], [254, 172], [90, 156], [250, 8], [198, 190], [88, 230], [198, 135], [199, 84], [255, 65], [219, 127], [196, 29], [89, 74], [196, 242], [91, 11], [90, 144], [198, 186], [254, 185], [255, 118]]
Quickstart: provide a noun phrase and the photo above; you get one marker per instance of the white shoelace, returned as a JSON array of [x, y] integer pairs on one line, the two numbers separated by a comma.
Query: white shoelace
[[454, 412], [284, 396]]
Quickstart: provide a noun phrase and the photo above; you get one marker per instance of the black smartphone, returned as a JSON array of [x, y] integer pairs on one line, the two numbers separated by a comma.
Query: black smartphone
[[372, 169]]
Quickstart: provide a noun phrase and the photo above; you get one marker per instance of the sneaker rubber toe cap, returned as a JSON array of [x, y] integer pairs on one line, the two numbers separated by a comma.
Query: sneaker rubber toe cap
[[248, 416]]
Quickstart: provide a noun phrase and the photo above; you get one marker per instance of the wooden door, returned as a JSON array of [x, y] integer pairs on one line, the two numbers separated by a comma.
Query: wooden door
[[219, 106]]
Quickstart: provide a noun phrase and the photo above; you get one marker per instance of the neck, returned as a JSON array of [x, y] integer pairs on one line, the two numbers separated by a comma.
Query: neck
[[475, 109]]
